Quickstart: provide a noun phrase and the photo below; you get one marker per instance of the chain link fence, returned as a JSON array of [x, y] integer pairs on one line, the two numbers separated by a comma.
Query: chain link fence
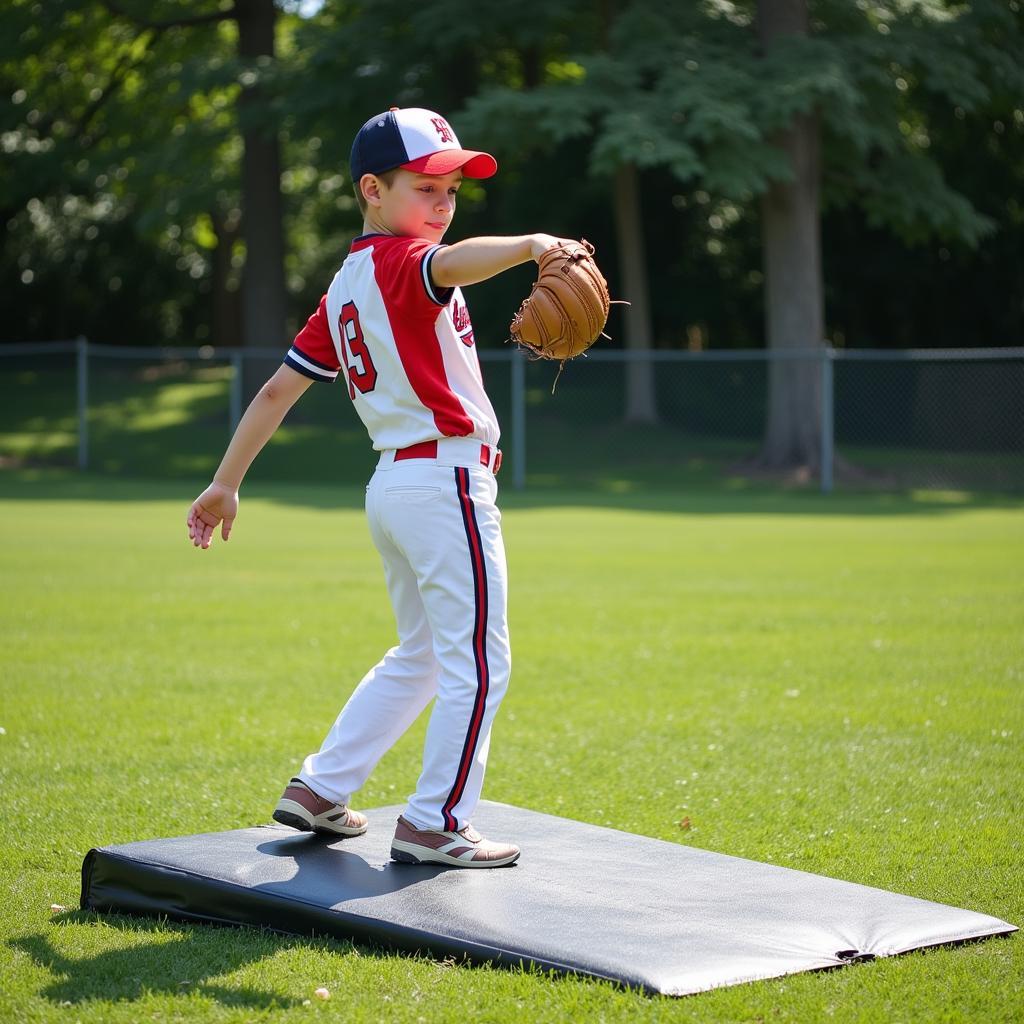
[[617, 421]]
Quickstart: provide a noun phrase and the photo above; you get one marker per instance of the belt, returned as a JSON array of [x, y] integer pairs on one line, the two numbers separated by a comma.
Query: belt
[[460, 450]]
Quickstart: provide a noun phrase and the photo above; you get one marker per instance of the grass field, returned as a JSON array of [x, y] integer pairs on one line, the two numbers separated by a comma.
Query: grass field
[[833, 685]]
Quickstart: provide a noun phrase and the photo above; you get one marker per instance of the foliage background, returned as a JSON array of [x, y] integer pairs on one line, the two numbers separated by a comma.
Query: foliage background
[[120, 195]]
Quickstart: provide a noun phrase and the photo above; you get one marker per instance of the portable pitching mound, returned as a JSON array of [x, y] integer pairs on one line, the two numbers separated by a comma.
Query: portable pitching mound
[[582, 899]]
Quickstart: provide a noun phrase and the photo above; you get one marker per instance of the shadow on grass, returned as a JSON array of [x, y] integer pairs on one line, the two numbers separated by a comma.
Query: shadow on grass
[[172, 966], [727, 498], [179, 966]]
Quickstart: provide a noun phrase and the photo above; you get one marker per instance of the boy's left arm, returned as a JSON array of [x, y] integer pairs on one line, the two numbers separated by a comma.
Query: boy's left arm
[[218, 504]]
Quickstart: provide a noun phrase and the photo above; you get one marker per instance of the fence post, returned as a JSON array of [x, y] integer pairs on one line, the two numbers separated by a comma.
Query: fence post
[[82, 350], [518, 421], [235, 392], [827, 418]]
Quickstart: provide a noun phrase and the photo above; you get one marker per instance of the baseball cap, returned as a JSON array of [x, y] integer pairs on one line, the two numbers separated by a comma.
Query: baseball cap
[[417, 140]]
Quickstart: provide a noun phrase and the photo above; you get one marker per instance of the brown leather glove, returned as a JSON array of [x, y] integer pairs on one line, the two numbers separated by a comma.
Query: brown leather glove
[[566, 310]]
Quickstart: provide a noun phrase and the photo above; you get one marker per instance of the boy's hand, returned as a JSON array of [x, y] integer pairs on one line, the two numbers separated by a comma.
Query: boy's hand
[[217, 504], [540, 243]]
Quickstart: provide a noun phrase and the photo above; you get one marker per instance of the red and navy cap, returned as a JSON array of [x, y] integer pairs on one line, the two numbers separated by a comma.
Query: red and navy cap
[[417, 140]]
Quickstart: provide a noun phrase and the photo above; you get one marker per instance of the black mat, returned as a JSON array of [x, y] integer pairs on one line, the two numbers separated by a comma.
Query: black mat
[[659, 916]]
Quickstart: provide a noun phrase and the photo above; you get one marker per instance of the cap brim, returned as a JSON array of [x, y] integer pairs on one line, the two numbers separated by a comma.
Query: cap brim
[[472, 163]]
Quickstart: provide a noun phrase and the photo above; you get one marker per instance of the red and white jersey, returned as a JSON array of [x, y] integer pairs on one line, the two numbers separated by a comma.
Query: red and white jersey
[[405, 347]]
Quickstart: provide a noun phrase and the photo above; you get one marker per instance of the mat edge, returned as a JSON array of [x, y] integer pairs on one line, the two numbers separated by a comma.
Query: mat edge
[[426, 942]]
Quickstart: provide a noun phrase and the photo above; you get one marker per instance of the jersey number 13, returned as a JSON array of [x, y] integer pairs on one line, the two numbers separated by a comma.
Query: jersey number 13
[[362, 374]]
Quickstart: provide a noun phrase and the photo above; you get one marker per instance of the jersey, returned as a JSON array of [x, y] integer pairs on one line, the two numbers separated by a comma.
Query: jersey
[[405, 347]]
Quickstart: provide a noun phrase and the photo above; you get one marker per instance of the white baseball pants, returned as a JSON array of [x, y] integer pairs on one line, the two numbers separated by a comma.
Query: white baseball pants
[[438, 530]]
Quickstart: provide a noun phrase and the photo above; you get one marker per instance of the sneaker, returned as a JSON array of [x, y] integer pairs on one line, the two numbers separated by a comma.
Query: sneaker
[[463, 849], [301, 808]]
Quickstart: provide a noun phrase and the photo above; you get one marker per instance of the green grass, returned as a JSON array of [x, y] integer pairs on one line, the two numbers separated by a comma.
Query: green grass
[[832, 685]]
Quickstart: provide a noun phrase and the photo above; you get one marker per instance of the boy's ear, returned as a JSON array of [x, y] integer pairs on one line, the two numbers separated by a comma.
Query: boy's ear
[[371, 186]]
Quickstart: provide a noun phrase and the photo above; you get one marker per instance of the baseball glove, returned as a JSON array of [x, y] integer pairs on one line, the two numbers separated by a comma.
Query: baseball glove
[[567, 308]]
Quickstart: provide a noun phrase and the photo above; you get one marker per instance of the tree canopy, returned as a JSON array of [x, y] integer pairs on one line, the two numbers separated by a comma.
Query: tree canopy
[[122, 133]]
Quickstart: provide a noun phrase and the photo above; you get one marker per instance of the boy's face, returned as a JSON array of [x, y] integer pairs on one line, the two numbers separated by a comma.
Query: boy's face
[[421, 205]]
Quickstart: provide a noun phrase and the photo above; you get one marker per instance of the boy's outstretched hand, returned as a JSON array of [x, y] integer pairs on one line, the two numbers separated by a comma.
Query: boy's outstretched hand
[[217, 504], [540, 243]]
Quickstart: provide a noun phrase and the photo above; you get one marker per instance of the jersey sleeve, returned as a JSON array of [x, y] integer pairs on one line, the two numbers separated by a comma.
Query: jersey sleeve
[[402, 268], [312, 353]]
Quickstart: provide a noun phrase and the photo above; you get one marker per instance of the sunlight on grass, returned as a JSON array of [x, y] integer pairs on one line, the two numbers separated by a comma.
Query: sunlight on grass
[[170, 405], [615, 486], [166, 418], [41, 444], [941, 497]]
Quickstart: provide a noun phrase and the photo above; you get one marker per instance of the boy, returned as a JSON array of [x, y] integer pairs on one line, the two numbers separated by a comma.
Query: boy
[[394, 324]]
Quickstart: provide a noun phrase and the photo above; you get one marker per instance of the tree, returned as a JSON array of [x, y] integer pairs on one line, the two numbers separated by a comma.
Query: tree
[[794, 290], [137, 110], [666, 88], [263, 289], [641, 397], [123, 154], [927, 49], [795, 109], [886, 169], [105, 147]]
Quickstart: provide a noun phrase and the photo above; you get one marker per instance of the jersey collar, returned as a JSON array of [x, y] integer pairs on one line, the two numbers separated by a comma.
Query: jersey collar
[[363, 241]]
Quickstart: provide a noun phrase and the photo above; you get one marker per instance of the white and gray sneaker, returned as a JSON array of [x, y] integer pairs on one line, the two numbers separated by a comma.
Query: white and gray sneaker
[[301, 808], [463, 849]]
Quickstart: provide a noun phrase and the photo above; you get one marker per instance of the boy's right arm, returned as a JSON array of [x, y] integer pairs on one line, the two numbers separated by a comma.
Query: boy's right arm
[[218, 504], [477, 259]]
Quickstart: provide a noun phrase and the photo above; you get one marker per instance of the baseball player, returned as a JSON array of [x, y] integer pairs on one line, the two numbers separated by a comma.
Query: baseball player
[[394, 327]]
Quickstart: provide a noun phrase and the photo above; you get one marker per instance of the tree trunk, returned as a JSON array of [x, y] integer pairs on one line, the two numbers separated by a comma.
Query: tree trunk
[[263, 287], [794, 294], [641, 398], [226, 307]]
